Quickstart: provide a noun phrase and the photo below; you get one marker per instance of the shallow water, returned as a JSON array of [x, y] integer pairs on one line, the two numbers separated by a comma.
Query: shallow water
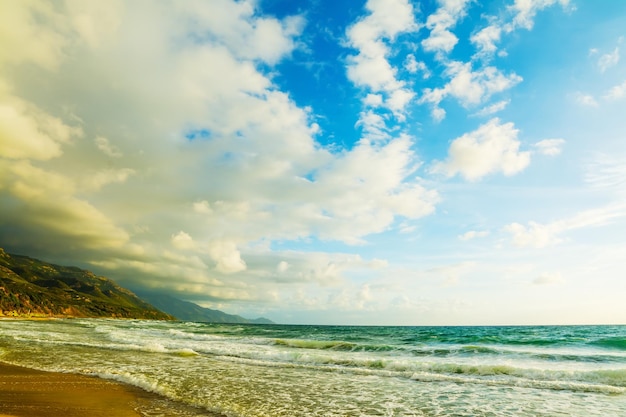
[[274, 370]]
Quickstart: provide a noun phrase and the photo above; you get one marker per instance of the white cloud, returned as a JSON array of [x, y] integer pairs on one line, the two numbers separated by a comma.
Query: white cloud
[[493, 108], [107, 148], [106, 176], [26, 131], [486, 39], [607, 171], [534, 235], [467, 86], [550, 147], [235, 25], [373, 100], [538, 235], [182, 240], [617, 92], [525, 11], [282, 266], [211, 148], [585, 100], [202, 207], [39, 30], [413, 66], [473, 234], [441, 39], [226, 256], [493, 147], [371, 68], [609, 60]]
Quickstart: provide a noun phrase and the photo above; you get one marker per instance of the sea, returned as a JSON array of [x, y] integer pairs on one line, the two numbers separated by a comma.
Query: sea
[[240, 370]]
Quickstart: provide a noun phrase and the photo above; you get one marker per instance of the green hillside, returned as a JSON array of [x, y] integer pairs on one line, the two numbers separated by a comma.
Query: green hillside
[[32, 288]]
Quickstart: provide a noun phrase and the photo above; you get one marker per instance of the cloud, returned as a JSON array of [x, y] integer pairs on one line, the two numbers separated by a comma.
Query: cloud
[[441, 39], [493, 147], [370, 68], [608, 60], [585, 99], [550, 147], [235, 26], [104, 177], [493, 108], [467, 86], [26, 131], [616, 92], [107, 148], [226, 256], [525, 11], [413, 66], [166, 167], [39, 208], [182, 240], [534, 235], [473, 234], [538, 235], [39, 30], [606, 171], [486, 39]]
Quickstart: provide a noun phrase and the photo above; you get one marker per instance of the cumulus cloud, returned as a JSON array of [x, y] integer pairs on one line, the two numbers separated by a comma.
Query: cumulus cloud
[[26, 131], [414, 66], [486, 39], [168, 166], [182, 240], [441, 39], [370, 68], [493, 147]]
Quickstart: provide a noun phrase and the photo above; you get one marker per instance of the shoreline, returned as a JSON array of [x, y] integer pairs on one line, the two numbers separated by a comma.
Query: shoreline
[[26, 392]]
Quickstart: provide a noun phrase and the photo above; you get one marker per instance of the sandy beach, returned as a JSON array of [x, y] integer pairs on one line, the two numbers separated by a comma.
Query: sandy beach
[[27, 393]]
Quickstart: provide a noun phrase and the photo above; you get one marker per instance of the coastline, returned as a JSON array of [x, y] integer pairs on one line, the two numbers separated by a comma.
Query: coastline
[[26, 392]]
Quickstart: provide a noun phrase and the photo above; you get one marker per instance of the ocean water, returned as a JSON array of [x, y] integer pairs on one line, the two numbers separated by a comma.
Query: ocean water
[[276, 370]]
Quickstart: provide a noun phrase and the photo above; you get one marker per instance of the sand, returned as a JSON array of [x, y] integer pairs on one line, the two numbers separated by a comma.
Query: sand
[[29, 393]]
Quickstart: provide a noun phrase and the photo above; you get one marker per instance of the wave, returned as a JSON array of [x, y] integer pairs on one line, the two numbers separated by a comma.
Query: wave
[[611, 343]]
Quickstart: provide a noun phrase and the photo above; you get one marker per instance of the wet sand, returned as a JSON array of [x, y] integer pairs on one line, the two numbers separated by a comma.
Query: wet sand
[[28, 393]]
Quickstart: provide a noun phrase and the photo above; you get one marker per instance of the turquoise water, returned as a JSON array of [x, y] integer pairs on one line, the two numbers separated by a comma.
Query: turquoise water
[[274, 370]]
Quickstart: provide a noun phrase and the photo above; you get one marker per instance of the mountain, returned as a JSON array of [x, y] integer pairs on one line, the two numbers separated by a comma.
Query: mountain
[[186, 311], [33, 288]]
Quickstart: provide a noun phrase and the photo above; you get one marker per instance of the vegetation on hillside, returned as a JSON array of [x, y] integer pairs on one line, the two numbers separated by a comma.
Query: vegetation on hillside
[[32, 288]]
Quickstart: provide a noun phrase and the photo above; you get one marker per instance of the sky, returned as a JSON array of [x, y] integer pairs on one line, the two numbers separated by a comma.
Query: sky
[[383, 162]]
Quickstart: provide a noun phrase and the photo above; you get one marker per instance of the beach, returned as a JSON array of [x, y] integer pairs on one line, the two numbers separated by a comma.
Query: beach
[[27, 392], [184, 369]]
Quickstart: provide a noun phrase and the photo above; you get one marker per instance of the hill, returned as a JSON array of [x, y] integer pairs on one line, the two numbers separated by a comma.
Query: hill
[[187, 311], [32, 288]]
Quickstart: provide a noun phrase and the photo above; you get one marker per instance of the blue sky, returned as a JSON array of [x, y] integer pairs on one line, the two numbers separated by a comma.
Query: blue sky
[[349, 162]]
